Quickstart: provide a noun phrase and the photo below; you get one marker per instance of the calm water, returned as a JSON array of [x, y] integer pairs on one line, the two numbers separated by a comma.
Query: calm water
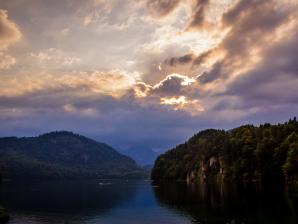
[[132, 202]]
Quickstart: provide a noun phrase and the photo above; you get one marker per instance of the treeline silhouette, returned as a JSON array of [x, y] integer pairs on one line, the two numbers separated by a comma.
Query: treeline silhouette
[[267, 153]]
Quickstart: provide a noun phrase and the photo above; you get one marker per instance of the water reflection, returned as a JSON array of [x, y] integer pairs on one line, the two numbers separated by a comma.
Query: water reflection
[[64, 201], [228, 203], [87, 202], [135, 202]]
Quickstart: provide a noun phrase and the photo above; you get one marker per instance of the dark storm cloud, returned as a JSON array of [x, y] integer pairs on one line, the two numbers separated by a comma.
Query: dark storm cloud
[[162, 8]]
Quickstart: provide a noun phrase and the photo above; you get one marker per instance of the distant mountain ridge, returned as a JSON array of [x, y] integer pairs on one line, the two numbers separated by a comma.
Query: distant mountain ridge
[[143, 156], [268, 153], [63, 154]]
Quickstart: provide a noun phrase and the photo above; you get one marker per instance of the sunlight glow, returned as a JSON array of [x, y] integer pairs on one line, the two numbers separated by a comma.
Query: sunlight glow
[[180, 101], [193, 107]]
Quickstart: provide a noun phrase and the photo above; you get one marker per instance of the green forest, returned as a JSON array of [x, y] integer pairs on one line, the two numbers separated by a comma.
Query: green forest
[[266, 153], [60, 155]]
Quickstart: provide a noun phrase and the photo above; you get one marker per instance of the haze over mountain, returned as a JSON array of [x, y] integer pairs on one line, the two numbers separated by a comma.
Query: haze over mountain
[[63, 155], [143, 156]]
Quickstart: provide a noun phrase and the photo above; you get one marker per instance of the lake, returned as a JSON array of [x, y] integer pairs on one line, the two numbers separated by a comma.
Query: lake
[[132, 201]]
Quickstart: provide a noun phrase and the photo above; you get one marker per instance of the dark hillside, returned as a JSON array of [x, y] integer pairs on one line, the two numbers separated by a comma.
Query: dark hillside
[[63, 155], [268, 153]]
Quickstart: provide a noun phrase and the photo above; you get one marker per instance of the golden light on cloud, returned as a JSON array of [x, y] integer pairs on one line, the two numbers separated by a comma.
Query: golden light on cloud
[[9, 34], [174, 80], [9, 31], [193, 107], [182, 58], [141, 89], [183, 79], [240, 67], [177, 101], [187, 81], [113, 83]]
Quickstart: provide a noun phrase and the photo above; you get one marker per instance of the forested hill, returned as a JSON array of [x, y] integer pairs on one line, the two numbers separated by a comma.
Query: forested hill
[[63, 155], [268, 153]]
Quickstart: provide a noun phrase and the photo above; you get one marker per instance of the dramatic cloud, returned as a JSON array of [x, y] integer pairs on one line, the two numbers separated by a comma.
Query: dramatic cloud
[[174, 61], [248, 37], [9, 31], [9, 34], [162, 7], [112, 83], [124, 71], [198, 18], [274, 73]]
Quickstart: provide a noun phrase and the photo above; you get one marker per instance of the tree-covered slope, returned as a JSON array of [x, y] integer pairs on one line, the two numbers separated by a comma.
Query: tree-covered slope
[[264, 153], [63, 155]]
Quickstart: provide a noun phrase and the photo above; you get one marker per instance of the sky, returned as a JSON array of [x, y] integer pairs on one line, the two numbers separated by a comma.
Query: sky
[[146, 73]]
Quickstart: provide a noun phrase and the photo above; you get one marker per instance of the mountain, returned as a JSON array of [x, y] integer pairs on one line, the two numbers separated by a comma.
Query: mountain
[[143, 156], [63, 155], [268, 153]]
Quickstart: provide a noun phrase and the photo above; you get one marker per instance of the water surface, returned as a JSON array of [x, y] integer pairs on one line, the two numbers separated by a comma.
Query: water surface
[[128, 201]]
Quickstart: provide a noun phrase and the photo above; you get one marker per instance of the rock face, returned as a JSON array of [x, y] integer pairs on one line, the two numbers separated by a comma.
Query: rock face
[[268, 153], [213, 165], [63, 155]]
